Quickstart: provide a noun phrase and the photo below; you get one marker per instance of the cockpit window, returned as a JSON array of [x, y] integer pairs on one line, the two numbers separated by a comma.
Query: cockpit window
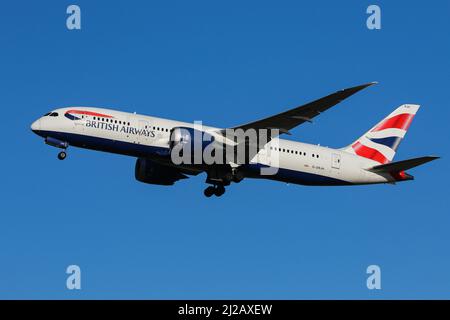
[[48, 113], [54, 114]]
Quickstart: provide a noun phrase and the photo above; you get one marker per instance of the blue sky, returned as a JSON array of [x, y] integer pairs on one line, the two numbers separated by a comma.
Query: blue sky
[[225, 63]]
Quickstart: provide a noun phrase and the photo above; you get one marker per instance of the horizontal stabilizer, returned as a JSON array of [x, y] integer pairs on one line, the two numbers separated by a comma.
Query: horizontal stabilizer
[[402, 165]]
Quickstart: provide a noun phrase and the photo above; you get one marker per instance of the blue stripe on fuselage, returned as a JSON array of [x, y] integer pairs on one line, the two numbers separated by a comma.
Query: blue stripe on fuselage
[[71, 117]]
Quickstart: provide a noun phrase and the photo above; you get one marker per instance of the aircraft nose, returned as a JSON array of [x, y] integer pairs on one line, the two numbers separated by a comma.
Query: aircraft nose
[[36, 126]]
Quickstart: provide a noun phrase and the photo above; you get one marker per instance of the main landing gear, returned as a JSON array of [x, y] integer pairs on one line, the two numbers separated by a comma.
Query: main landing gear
[[219, 177], [62, 155], [217, 190]]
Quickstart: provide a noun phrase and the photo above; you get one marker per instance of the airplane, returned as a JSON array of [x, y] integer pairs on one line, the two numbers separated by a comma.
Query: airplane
[[153, 141]]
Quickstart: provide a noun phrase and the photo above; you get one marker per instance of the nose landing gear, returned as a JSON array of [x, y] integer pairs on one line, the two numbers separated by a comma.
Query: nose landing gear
[[62, 155], [58, 144], [217, 190]]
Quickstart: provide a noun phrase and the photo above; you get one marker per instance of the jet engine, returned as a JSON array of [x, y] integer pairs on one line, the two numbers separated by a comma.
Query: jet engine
[[150, 172]]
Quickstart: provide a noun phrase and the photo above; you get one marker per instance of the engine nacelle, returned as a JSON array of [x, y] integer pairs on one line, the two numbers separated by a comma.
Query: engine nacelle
[[148, 171], [188, 144]]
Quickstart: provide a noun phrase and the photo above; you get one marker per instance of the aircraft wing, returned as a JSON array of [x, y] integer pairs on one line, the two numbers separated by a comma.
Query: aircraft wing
[[287, 120]]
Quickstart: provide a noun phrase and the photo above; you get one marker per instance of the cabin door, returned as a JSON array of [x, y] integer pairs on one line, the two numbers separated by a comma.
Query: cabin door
[[336, 161]]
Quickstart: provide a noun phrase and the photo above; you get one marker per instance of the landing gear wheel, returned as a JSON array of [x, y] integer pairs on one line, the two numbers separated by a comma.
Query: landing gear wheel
[[220, 190], [209, 191], [238, 176], [228, 177], [62, 155]]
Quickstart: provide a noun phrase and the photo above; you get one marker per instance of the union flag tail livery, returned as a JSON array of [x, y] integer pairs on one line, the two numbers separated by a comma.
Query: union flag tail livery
[[381, 142], [165, 148]]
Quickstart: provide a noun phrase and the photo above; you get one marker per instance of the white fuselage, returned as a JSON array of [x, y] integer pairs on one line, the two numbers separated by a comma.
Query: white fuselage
[[144, 136]]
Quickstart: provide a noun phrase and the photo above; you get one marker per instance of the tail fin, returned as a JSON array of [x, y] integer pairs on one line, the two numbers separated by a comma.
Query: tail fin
[[381, 142]]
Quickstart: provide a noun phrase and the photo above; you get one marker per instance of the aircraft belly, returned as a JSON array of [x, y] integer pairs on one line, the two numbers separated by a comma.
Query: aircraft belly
[[290, 175]]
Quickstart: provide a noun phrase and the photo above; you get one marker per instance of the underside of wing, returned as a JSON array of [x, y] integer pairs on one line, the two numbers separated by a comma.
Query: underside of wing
[[285, 121]]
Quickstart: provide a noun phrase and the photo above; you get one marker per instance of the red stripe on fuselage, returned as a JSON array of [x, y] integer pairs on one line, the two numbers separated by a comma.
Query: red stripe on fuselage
[[369, 153], [400, 121], [89, 113]]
